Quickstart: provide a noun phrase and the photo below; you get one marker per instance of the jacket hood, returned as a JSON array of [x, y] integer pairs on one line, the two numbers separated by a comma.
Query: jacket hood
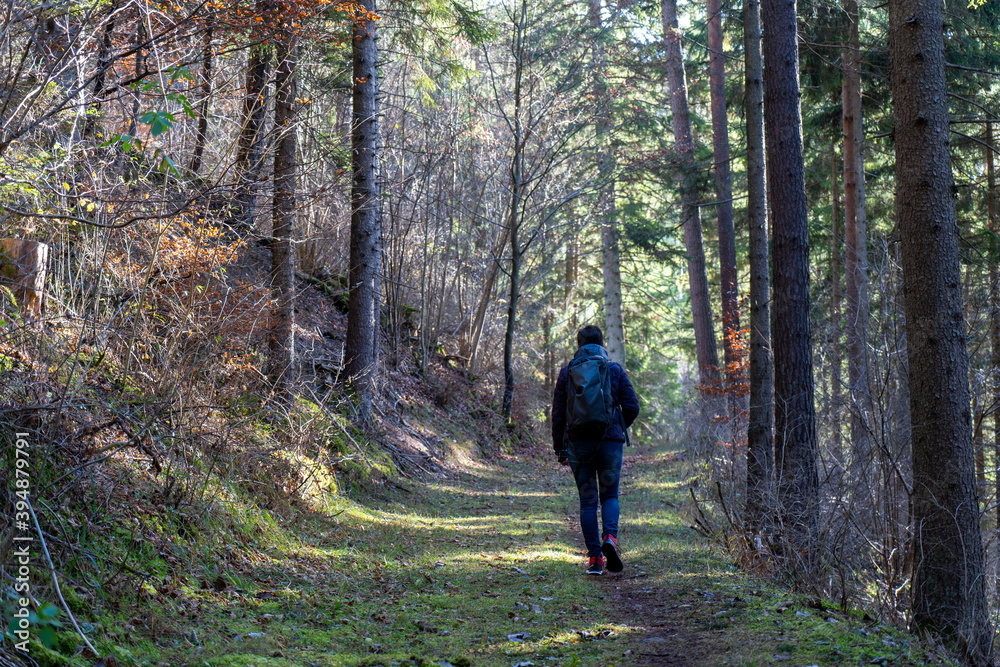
[[591, 350]]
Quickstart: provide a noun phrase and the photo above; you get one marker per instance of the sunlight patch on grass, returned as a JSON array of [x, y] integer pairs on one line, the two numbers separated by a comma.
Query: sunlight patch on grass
[[507, 494], [659, 486]]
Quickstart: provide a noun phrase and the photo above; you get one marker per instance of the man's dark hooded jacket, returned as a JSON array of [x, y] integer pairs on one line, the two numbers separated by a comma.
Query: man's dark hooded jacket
[[621, 391]]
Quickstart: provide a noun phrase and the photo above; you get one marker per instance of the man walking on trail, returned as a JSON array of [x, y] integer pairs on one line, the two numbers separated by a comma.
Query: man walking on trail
[[592, 407]]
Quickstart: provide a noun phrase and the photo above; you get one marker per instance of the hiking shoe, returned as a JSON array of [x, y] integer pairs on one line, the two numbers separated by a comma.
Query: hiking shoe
[[596, 565], [610, 549]]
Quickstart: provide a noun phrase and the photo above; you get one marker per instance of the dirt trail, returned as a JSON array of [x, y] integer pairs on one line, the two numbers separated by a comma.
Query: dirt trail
[[665, 637], [644, 597]]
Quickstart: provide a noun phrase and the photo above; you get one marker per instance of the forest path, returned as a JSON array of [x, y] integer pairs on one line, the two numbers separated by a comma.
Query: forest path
[[485, 568]]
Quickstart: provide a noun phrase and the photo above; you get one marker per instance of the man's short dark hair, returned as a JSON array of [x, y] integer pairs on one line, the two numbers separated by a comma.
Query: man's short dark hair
[[589, 335]]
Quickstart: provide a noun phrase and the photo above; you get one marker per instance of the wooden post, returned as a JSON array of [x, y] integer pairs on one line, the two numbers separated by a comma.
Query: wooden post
[[22, 271]]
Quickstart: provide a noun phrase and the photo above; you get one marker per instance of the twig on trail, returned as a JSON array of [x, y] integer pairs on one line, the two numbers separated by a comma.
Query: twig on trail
[[92, 428], [427, 441], [7, 661], [91, 462], [409, 457], [138, 442], [55, 580], [701, 521], [112, 449]]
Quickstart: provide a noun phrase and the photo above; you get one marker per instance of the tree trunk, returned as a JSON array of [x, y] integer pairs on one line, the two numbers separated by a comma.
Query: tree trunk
[[206, 91], [104, 55], [515, 287], [614, 330], [760, 446], [835, 397], [137, 69], [794, 412], [103, 64], [614, 333], [23, 266], [899, 422], [979, 449], [724, 195], [366, 223], [250, 152], [704, 334], [549, 351], [514, 216], [570, 271], [856, 265], [991, 207], [479, 321], [947, 583], [282, 343]]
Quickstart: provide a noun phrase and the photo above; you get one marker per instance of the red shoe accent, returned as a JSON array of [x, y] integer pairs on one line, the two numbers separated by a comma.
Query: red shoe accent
[[611, 552]]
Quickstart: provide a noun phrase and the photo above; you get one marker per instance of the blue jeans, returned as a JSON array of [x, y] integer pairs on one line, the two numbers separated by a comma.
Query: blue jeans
[[597, 468]]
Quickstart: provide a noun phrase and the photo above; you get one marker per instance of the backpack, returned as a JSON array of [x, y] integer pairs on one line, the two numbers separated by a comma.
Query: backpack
[[590, 408]]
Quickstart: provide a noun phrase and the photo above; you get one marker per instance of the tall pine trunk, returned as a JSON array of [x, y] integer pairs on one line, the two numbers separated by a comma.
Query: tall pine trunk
[[760, 446], [282, 343], [724, 195], [791, 339], [701, 308], [835, 360], [856, 266], [947, 586], [614, 331], [991, 207], [360, 349]]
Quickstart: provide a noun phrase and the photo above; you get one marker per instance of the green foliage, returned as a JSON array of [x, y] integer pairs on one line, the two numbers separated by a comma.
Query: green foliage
[[43, 622], [127, 142], [10, 308], [473, 24], [158, 121]]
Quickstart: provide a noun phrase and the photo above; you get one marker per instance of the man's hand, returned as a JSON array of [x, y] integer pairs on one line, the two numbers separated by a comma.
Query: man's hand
[[564, 462]]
